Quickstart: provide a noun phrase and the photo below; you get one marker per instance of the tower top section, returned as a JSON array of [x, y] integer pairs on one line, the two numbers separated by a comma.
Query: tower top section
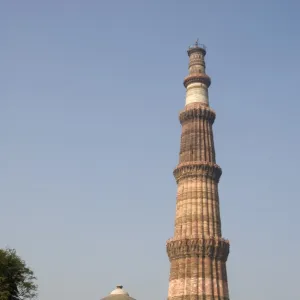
[[196, 47], [197, 82]]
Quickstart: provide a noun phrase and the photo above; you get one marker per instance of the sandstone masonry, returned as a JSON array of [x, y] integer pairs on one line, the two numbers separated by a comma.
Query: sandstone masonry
[[197, 251]]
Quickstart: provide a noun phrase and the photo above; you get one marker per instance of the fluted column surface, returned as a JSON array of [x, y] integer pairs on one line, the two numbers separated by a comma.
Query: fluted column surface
[[197, 251]]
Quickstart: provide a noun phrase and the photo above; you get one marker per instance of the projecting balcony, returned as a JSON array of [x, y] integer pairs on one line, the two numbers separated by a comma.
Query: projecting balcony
[[196, 45]]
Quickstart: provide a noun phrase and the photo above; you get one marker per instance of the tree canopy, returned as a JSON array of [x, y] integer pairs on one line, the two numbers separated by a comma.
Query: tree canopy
[[17, 280]]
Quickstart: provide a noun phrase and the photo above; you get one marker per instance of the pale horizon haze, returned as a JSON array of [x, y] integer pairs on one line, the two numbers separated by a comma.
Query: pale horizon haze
[[89, 101]]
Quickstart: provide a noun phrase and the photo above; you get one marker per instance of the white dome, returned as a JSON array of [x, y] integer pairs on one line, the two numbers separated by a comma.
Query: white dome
[[119, 291]]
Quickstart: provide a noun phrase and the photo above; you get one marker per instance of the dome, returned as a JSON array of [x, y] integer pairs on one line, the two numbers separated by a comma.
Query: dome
[[119, 291], [118, 294]]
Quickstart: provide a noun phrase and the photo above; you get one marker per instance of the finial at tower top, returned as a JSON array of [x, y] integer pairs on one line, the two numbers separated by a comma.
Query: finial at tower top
[[197, 47]]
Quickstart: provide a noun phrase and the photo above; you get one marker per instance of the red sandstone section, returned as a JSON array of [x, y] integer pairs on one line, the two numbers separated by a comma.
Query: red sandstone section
[[197, 252]]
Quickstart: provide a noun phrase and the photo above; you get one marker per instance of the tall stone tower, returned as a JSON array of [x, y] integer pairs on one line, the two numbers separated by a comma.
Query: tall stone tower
[[197, 252]]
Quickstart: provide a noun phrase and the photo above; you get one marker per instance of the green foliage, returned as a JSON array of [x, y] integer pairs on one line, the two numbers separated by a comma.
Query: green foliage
[[17, 281]]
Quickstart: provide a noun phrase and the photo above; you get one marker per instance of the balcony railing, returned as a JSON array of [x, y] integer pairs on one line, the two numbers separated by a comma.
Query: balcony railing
[[196, 45]]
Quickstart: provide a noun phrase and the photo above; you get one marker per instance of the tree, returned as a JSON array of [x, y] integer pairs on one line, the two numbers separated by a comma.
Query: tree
[[17, 281]]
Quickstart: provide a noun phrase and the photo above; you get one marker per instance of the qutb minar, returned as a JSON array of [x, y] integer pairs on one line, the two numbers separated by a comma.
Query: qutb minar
[[197, 252]]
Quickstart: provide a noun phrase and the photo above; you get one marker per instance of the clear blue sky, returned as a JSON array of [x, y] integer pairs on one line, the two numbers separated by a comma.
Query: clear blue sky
[[89, 100]]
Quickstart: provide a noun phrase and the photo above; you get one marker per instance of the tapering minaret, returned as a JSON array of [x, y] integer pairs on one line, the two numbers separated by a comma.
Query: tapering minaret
[[197, 252]]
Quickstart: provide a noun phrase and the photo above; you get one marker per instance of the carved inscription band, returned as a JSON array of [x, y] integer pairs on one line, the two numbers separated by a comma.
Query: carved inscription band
[[198, 169], [200, 112], [214, 248], [201, 77]]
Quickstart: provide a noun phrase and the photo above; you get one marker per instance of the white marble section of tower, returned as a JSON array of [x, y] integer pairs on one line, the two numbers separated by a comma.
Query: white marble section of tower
[[196, 91]]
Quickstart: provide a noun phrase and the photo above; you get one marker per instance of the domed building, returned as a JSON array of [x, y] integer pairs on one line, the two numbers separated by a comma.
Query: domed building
[[118, 294]]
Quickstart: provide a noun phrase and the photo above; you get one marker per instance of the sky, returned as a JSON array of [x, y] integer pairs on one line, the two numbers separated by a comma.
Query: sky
[[89, 101]]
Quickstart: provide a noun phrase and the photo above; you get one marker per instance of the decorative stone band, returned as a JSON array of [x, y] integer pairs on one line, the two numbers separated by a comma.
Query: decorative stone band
[[212, 247], [201, 77], [197, 62], [198, 169], [197, 111]]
